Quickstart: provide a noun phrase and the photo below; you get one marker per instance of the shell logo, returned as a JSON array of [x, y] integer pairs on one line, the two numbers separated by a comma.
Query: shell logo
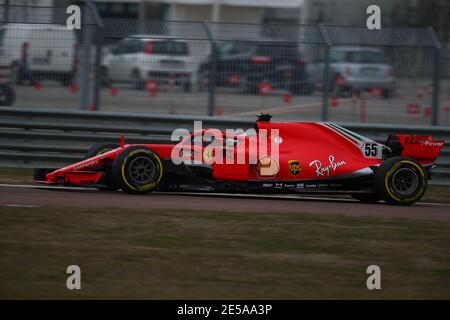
[[267, 166]]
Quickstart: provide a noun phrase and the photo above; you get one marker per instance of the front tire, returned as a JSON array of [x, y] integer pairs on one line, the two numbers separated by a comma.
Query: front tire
[[401, 181], [100, 148], [110, 183], [138, 170]]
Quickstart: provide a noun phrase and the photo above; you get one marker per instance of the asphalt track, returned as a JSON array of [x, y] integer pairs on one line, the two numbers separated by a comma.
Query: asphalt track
[[42, 196]]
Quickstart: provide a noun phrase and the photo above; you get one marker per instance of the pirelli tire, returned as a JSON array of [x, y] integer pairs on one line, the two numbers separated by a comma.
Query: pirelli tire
[[100, 148], [400, 181], [110, 183], [138, 170]]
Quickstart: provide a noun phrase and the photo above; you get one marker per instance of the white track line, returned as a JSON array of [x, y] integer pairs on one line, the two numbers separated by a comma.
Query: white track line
[[258, 196], [215, 194], [39, 186], [282, 197], [19, 205]]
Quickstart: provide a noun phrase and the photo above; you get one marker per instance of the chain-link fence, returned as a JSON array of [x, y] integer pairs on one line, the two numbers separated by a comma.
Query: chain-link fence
[[296, 72]]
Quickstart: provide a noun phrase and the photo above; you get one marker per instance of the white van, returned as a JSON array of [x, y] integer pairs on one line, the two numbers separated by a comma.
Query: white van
[[39, 51], [140, 58]]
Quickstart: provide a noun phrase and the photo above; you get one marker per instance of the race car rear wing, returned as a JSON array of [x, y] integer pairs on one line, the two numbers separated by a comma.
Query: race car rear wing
[[423, 149]]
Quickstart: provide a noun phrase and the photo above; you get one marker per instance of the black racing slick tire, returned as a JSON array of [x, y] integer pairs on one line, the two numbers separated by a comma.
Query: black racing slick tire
[[109, 181], [367, 197], [100, 148], [400, 181], [138, 170]]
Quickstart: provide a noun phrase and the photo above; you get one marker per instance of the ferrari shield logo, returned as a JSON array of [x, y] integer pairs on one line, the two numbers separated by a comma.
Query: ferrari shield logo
[[295, 167]]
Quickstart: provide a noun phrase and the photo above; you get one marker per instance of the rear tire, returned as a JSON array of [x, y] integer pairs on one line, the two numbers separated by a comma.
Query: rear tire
[[400, 181], [138, 170]]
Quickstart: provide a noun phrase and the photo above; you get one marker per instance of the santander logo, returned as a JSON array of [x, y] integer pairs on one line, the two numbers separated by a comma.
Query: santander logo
[[331, 166]]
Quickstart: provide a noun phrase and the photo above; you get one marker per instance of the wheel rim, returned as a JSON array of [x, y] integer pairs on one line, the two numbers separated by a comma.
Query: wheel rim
[[142, 170], [405, 181]]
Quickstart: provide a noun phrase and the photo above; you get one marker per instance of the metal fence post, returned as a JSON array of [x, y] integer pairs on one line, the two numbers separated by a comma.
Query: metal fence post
[[98, 52], [6, 12], [212, 69], [85, 60], [436, 77], [97, 69], [326, 74]]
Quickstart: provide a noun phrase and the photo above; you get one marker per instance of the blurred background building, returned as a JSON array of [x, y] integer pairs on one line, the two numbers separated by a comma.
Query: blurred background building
[[340, 12], [237, 25]]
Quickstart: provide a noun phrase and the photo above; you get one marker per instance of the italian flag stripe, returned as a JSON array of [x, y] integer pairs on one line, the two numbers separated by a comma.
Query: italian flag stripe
[[346, 132], [351, 138], [354, 134]]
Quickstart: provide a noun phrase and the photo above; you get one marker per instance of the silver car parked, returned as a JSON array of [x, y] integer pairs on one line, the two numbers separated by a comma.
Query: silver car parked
[[356, 69]]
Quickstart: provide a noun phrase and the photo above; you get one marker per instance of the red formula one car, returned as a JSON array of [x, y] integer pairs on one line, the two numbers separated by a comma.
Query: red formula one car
[[274, 157]]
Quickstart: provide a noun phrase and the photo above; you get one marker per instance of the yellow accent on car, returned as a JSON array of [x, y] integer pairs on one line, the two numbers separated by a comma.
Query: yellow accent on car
[[391, 172], [147, 186], [103, 151]]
